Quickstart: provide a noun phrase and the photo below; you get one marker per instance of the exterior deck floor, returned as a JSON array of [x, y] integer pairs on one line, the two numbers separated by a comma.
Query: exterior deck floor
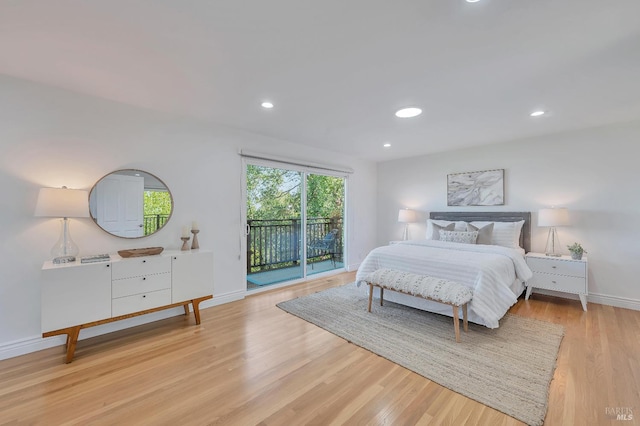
[[261, 279]]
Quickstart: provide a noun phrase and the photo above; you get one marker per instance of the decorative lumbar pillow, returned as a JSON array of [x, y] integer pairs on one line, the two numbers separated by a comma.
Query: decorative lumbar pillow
[[485, 233], [437, 229], [459, 236]]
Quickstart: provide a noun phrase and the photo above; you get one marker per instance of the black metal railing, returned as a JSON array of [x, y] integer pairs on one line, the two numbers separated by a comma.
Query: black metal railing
[[275, 244], [153, 222]]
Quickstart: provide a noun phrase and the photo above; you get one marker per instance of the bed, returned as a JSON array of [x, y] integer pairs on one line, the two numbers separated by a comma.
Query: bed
[[494, 267]]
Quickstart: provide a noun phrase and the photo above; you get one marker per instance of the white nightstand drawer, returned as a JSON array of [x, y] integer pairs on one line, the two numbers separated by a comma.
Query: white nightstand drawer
[[558, 282], [140, 302], [136, 267], [137, 285], [556, 266]]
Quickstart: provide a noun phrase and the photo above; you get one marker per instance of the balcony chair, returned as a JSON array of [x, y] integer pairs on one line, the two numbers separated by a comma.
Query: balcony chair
[[325, 245]]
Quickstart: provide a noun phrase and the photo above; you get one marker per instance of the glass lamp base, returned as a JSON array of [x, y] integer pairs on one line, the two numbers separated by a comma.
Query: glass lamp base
[[552, 243], [65, 247]]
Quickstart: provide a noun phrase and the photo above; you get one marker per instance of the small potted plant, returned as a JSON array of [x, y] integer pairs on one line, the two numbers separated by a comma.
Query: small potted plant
[[576, 251]]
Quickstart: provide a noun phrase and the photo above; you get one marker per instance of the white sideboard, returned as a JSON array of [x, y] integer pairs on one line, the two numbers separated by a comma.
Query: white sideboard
[[80, 295]]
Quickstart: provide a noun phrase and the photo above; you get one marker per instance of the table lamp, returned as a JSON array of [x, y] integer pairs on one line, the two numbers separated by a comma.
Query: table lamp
[[553, 217], [63, 203], [406, 216]]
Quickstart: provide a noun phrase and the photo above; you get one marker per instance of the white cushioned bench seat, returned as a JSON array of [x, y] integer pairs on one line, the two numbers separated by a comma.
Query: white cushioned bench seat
[[424, 286]]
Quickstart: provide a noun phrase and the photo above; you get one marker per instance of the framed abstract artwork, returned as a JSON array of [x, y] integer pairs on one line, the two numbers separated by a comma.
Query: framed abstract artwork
[[484, 188]]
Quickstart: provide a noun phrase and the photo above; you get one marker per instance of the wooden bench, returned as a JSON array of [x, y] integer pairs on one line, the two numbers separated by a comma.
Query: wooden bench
[[431, 288]]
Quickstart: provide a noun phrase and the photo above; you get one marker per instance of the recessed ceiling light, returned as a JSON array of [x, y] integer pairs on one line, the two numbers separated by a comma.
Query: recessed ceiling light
[[387, 145], [408, 112], [267, 105], [537, 113], [473, 1]]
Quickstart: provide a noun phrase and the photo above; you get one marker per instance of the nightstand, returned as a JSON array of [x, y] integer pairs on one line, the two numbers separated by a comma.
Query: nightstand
[[559, 274]]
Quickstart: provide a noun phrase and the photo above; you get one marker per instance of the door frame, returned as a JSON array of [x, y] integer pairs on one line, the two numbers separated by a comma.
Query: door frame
[[303, 206]]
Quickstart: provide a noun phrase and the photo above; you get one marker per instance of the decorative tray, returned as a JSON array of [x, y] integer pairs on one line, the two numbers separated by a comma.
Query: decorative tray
[[149, 251]]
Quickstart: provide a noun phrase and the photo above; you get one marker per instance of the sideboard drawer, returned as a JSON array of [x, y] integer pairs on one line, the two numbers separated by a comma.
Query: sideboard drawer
[[139, 266], [553, 266], [138, 285], [140, 302]]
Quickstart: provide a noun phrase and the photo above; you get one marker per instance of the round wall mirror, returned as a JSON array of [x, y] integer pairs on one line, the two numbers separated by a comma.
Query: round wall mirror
[[130, 203]]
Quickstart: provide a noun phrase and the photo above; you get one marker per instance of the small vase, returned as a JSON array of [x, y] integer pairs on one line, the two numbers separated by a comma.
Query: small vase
[[576, 256]]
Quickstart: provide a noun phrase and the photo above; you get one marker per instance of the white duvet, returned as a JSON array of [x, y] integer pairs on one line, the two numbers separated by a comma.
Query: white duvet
[[488, 269]]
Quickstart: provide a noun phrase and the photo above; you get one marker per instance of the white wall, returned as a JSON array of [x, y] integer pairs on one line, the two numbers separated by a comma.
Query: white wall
[[51, 137], [592, 172]]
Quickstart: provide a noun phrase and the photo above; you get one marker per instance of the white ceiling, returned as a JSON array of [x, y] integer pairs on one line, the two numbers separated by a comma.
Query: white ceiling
[[337, 70]]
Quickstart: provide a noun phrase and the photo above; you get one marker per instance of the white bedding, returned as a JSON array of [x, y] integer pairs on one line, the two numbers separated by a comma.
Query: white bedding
[[491, 271]]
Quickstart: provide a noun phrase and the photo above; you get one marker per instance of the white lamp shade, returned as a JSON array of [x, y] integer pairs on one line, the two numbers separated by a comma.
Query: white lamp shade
[[406, 216], [553, 217], [62, 202]]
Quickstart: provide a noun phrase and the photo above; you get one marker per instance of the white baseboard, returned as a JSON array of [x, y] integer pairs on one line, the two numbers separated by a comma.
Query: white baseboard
[[225, 298], [619, 302], [38, 343], [28, 345], [353, 266], [601, 299]]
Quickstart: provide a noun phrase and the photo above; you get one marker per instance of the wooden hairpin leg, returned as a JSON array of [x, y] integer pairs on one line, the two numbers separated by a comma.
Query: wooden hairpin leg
[[370, 296]]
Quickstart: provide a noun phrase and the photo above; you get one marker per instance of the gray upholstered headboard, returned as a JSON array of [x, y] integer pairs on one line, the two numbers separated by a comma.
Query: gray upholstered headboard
[[525, 235]]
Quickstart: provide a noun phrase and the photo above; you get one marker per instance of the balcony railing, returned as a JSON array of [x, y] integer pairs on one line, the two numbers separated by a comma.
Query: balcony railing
[[275, 244], [153, 222]]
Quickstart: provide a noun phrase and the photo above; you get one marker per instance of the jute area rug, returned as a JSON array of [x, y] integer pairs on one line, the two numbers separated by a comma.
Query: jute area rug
[[508, 368]]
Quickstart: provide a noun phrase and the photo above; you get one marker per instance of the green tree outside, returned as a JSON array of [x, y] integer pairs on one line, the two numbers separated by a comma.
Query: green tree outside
[[156, 210], [275, 194], [325, 196], [157, 202], [272, 193]]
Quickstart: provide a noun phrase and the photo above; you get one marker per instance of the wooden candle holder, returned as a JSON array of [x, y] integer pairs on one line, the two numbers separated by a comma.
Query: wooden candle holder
[[195, 244], [185, 240]]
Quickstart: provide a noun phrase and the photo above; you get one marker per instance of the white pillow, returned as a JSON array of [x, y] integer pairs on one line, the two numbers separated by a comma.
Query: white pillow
[[506, 234], [460, 226], [459, 236]]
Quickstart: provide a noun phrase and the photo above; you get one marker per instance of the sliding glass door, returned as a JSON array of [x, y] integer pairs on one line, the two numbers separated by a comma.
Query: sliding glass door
[[294, 224], [325, 223], [274, 225]]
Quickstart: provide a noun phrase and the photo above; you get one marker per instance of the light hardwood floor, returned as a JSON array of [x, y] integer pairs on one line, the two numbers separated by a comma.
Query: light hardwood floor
[[251, 363]]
